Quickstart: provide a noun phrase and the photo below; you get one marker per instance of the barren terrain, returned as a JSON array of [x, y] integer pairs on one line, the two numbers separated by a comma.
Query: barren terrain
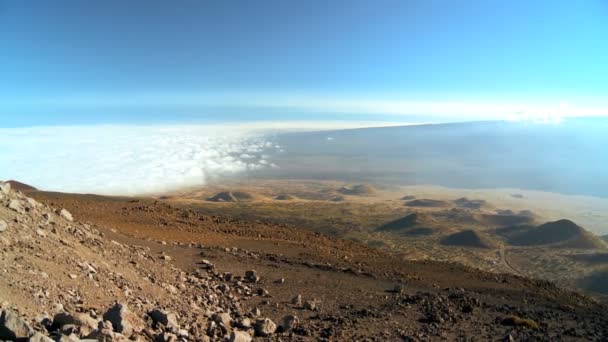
[[152, 254]]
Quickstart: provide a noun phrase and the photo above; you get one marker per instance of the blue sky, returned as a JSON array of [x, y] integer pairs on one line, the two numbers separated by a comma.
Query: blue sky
[[142, 61]]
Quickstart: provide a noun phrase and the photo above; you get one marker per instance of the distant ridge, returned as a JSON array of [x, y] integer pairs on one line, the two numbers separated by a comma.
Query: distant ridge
[[469, 238], [470, 204], [401, 223], [358, 190], [283, 197], [20, 186], [561, 233], [428, 203], [228, 196], [411, 225], [504, 218]]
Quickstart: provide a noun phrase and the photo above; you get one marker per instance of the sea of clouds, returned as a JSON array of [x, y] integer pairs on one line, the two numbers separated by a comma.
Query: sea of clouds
[[127, 160]]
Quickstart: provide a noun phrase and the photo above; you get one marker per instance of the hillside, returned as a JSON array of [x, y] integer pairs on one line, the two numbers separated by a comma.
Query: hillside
[[506, 218], [20, 186], [469, 238], [229, 196], [345, 287], [562, 233], [401, 223], [464, 202], [357, 190], [412, 225], [427, 203], [143, 296]]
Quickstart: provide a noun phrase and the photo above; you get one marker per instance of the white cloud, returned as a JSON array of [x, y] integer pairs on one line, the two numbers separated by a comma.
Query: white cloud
[[126, 159], [457, 110]]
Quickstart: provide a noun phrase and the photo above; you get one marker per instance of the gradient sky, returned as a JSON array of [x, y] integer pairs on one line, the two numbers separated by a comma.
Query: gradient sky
[[73, 62]]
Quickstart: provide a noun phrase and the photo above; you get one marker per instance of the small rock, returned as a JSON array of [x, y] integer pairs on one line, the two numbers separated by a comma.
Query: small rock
[[166, 337], [297, 300], [262, 292], [289, 323], [206, 264], [239, 336], [244, 323], [32, 202], [310, 305], [508, 338], [264, 327], [224, 319], [255, 312], [48, 217], [39, 337], [57, 307], [66, 215], [183, 333], [252, 276], [72, 276], [399, 288], [69, 329], [3, 226], [16, 206], [5, 188]]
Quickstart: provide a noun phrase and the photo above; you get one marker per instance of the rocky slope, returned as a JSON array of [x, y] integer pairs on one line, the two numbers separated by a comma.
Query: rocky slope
[[66, 280], [114, 277]]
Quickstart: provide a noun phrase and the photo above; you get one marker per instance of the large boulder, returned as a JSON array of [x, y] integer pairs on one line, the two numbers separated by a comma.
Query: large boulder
[[13, 327], [164, 318], [83, 322], [123, 321]]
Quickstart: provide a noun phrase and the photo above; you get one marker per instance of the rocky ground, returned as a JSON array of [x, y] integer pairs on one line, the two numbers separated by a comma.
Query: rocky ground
[[88, 267]]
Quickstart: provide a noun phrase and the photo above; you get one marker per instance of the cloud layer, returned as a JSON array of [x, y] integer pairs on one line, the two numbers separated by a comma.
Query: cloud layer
[[126, 160]]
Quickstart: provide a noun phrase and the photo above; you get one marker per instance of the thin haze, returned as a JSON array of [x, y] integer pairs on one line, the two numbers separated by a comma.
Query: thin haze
[[114, 61]]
